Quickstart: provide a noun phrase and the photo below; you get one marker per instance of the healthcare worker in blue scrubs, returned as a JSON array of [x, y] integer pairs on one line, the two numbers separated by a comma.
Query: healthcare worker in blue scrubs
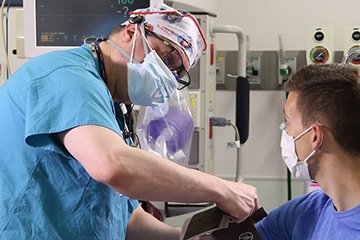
[[320, 142], [66, 171]]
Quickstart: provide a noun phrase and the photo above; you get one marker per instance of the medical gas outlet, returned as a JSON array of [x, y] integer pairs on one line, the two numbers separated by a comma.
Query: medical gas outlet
[[253, 64], [352, 46], [320, 46], [284, 68], [253, 70]]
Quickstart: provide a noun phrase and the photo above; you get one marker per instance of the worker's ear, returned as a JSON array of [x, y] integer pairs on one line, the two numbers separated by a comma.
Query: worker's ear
[[128, 32]]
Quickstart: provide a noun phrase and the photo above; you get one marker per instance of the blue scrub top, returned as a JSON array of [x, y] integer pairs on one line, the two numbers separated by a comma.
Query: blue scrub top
[[46, 193]]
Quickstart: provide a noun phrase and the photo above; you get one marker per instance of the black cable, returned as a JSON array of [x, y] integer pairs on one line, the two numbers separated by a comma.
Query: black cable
[[137, 143], [128, 117], [289, 185], [101, 59], [288, 180]]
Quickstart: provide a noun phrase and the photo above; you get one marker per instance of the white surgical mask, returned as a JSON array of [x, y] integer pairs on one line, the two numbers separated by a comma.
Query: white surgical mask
[[151, 82], [299, 169]]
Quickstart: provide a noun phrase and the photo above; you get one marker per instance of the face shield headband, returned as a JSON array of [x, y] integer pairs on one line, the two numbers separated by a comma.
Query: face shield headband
[[177, 13]]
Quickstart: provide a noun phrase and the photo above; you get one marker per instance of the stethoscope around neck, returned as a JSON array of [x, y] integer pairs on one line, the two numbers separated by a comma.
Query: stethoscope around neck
[[94, 44]]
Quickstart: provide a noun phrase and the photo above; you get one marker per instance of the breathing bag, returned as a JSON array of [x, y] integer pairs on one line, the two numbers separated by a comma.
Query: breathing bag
[[167, 129]]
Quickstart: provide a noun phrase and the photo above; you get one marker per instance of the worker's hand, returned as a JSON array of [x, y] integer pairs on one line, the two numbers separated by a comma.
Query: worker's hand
[[240, 200]]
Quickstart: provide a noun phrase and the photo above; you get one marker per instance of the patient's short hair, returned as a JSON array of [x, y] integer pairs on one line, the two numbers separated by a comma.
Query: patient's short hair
[[329, 94]]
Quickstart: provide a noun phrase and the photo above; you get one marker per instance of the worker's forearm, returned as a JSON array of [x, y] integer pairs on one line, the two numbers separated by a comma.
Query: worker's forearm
[[143, 175], [144, 226]]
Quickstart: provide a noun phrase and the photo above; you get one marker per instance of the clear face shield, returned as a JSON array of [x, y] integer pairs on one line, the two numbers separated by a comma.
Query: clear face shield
[[174, 62], [167, 129]]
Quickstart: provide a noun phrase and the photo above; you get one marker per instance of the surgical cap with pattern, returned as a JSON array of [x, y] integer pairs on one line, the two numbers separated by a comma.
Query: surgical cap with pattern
[[179, 27]]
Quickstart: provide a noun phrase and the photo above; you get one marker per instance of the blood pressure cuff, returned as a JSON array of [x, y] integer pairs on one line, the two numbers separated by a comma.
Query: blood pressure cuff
[[214, 224]]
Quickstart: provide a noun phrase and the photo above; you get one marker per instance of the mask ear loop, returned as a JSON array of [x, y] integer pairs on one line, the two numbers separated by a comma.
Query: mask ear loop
[[314, 151], [133, 45], [321, 141], [122, 51], [146, 44]]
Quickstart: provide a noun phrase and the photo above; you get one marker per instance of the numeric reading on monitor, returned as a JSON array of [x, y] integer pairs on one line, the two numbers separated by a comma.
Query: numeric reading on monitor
[[126, 2]]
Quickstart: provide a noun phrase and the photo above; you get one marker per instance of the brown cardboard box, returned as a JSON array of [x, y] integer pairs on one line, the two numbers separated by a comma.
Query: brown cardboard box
[[214, 224]]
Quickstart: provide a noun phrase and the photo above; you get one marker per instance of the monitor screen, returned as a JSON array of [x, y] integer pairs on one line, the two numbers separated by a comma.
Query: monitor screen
[[60, 24], [14, 2]]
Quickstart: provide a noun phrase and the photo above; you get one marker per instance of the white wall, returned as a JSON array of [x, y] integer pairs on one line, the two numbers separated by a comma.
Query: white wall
[[263, 20]]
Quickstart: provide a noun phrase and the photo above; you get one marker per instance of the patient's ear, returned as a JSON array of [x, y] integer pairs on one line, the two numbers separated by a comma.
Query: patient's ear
[[317, 136]]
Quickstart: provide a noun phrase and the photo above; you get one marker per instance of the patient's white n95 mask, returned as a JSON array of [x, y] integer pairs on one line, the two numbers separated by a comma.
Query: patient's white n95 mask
[[299, 169]]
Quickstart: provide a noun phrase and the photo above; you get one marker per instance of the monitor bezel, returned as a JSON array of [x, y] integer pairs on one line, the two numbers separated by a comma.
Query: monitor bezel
[[30, 33]]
